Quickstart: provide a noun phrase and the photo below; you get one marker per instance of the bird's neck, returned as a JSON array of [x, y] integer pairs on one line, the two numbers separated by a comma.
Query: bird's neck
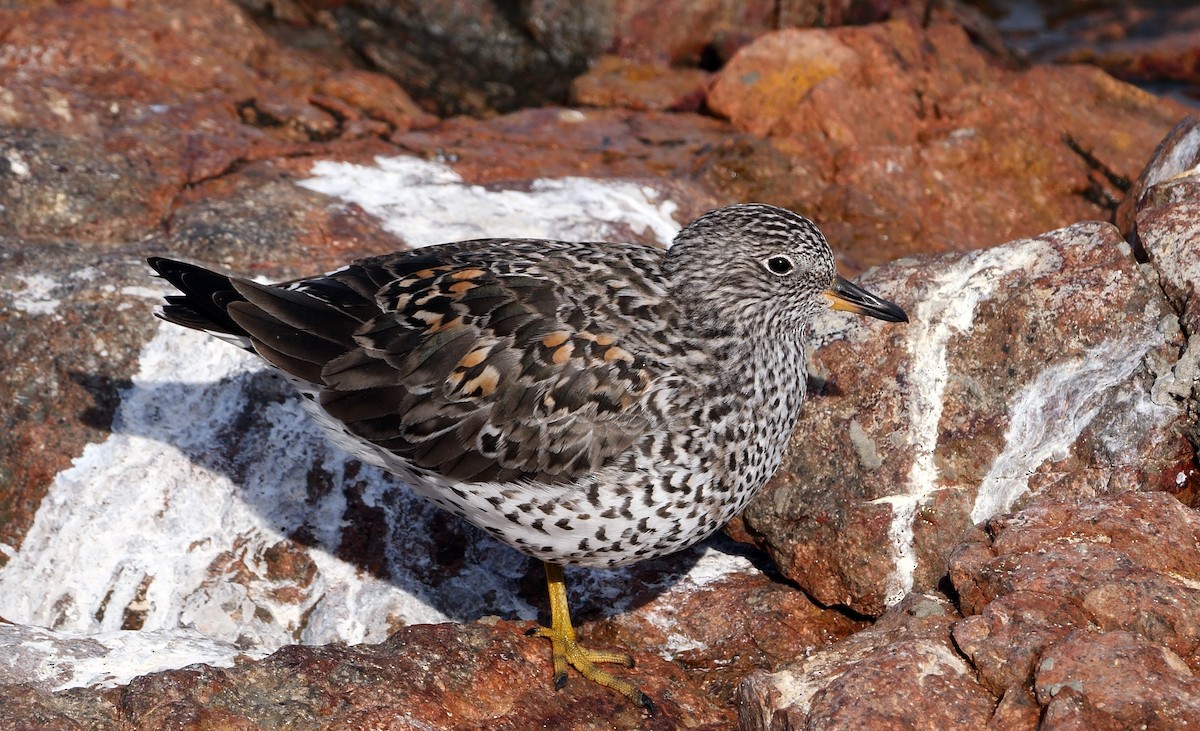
[[765, 374]]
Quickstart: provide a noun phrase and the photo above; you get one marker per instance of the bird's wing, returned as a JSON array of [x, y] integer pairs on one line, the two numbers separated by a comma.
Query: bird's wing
[[474, 371]]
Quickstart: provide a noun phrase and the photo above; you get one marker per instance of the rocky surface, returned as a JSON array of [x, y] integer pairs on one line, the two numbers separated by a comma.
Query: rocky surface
[[909, 651], [483, 57], [1096, 605], [1036, 370], [1165, 227], [1067, 616], [618, 82], [915, 137], [163, 501]]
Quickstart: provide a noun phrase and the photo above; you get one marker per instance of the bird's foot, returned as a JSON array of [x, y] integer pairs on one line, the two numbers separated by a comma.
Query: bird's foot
[[566, 651]]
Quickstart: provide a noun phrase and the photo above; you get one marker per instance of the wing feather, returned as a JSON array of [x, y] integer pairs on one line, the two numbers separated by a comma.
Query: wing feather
[[463, 367]]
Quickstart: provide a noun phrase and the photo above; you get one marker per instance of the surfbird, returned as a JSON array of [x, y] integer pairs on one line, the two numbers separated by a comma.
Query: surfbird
[[589, 404]]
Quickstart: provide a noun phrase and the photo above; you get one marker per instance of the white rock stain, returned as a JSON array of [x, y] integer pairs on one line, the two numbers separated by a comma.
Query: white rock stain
[[1049, 414], [947, 309]]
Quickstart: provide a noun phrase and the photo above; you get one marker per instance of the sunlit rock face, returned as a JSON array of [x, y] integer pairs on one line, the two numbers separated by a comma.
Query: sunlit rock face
[[1040, 370]]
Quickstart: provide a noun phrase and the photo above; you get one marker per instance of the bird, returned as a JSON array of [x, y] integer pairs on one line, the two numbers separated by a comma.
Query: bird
[[589, 404]]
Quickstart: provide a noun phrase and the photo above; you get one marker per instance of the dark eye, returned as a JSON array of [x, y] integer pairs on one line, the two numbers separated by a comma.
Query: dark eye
[[779, 265]]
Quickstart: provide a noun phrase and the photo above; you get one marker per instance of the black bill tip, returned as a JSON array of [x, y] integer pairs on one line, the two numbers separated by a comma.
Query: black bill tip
[[848, 296]]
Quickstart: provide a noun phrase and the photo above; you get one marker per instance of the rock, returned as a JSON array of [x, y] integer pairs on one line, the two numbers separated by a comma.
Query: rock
[[1018, 710], [1164, 220], [55, 187], [1116, 680], [706, 32], [1091, 605], [1175, 157], [1169, 57], [1156, 44], [913, 136], [702, 161], [474, 56], [1123, 563], [1032, 371], [74, 710], [683, 33], [482, 57], [721, 629], [47, 661], [102, 130], [446, 676], [1006, 638], [617, 82], [1094, 604], [903, 672]]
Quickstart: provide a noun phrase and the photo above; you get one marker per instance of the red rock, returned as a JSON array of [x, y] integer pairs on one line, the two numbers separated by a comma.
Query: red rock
[[447, 676], [1163, 214], [698, 160], [1174, 158], [80, 710], [1018, 710], [109, 127], [1092, 605], [618, 82], [1126, 563], [375, 96], [901, 673], [678, 32], [1115, 680], [722, 630], [912, 136], [1017, 381], [1006, 638], [1172, 56], [1152, 43]]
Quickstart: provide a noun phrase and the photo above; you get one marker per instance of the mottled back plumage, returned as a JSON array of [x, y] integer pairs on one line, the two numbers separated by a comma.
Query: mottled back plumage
[[586, 403]]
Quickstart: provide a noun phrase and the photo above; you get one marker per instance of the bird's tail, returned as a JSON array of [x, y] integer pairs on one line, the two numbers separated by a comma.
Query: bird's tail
[[204, 300]]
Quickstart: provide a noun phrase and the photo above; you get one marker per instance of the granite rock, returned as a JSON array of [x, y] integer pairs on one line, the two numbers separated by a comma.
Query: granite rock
[[448, 676], [1032, 371], [903, 672], [1123, 563], [111, 110], [617, 82], [1116, 680], [915, 136], [1076, 616], [1164, 220], [1092, 606]]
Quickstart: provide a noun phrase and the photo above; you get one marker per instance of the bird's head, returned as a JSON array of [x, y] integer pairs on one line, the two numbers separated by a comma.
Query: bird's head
[[758, 268]]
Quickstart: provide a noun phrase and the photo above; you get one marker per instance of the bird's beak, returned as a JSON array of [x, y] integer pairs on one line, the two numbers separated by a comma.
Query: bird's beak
[[848, 296]]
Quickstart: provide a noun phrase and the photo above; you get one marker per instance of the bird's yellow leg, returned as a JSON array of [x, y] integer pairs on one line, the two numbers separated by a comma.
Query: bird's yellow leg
[[567, 651]]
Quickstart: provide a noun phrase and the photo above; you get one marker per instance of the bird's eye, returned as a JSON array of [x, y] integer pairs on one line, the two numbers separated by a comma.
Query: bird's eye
[[779, 265]]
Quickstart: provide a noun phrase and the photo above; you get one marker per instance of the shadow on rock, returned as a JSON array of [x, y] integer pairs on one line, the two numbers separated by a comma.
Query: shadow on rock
[[243, 439]]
